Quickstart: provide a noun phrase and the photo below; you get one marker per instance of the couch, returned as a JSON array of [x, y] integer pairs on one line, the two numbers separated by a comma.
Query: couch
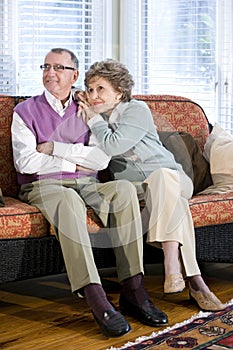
[[28, 247]]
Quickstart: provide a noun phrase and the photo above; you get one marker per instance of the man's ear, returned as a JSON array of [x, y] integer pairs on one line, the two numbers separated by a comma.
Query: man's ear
[[75, 76]]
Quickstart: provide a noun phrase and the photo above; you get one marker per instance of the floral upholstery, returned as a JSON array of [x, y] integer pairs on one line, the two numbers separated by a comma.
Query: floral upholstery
[[178, 113], [20, 220], [8, 181], [170, 113], [212, 209]]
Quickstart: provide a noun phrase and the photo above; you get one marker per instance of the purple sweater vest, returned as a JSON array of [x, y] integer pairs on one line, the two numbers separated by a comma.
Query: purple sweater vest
[[46, 124]]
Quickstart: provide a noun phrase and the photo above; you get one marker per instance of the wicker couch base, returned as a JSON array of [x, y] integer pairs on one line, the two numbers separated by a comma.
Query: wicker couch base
[[35, 257], [214, 243], [24, 258]]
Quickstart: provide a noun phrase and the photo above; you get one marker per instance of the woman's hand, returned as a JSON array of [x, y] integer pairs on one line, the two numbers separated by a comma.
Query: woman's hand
[[85, 109]]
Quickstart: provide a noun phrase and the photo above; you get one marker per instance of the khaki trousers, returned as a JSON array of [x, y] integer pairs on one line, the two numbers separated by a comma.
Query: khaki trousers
[[166, 193], [63, 203]]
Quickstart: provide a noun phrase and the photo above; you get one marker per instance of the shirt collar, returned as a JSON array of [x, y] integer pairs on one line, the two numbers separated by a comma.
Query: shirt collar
[[56, 104]]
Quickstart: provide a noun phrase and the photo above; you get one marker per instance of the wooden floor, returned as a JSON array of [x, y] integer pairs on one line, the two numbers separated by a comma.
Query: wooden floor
[[43, 314]]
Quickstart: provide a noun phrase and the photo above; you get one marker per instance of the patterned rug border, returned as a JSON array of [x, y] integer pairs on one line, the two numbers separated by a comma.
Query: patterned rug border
[[177, 325]]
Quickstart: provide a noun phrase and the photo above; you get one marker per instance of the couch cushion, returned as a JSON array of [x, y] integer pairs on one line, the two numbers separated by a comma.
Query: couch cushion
[[213, 209], [206, 210], [20, 220]]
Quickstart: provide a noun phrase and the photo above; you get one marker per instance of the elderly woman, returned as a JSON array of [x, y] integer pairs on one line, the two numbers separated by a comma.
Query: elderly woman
[[124, 128]]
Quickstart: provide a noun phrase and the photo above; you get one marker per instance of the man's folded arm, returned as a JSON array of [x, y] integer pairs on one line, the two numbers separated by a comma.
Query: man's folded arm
[[90, 157], [27, 159]]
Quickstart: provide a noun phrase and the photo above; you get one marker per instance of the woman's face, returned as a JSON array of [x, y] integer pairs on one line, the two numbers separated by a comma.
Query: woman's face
[[102, 96]]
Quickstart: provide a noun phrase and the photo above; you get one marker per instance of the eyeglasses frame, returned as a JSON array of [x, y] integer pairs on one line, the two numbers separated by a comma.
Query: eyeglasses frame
[[61, 67]]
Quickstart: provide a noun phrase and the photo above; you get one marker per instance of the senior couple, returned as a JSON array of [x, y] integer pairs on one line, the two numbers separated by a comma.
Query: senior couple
[[57, 162]]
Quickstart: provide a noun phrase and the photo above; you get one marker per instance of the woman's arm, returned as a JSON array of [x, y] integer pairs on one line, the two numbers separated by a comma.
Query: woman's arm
[[130, 128]]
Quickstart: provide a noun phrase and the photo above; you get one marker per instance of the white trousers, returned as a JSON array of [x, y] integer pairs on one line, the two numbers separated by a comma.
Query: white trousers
[[167, 192]]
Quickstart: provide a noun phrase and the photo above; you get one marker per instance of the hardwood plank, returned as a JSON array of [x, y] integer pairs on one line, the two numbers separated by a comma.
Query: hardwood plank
[[42, 313]]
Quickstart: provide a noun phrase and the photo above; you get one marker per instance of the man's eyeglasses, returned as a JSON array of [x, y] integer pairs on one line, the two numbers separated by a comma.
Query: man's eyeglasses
[[57, 67]]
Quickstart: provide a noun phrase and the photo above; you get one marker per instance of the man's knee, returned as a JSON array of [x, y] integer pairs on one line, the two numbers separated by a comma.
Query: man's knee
[[72, 197], [126, 191], [126, 187]]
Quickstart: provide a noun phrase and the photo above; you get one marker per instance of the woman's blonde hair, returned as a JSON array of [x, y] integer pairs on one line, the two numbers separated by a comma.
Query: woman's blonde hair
[[115, 73]]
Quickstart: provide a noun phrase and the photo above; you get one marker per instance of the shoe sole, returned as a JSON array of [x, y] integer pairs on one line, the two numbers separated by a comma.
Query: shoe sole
[[176, 292], [107, 335]]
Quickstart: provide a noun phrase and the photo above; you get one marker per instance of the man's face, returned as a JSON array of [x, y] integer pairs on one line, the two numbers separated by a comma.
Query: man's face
[[59, 83]]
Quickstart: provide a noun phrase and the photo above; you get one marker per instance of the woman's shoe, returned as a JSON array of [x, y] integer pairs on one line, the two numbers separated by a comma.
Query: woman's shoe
[[174, 283], [206, 302]]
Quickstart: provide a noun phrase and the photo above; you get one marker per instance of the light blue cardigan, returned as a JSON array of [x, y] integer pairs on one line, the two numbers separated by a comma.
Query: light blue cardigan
[[130, 137]]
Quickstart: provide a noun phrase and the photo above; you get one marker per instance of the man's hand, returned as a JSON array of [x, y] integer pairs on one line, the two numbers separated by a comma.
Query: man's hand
[[45, 147]]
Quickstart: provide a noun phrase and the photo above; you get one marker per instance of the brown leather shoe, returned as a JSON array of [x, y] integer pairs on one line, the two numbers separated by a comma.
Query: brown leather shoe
[[174, 283]]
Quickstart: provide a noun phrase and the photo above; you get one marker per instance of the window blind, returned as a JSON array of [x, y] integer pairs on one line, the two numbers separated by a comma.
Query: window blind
[[224, 82], [7, 47], [170, 47], [31, 28], [176, 47]]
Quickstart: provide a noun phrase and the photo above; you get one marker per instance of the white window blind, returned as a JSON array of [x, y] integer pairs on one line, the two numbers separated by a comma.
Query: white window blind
[[224, 82], [178, 47], [171, 47], [182, 48], [7, 47], [31, 28]]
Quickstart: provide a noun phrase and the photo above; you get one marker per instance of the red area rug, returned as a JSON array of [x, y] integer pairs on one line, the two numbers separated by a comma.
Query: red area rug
[[209, 331]]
